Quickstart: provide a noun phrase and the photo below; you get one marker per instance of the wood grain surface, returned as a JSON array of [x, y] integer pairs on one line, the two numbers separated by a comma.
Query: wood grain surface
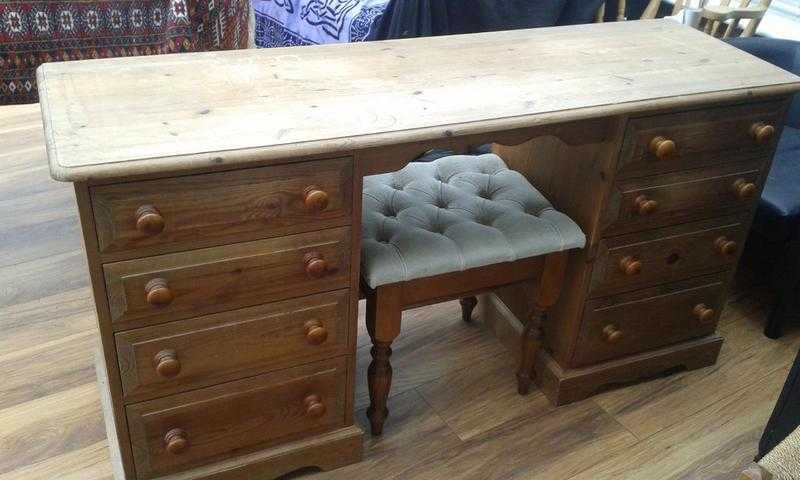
[[230, 276], [226, 346], [225, 108], [236, 417], [647, 319], [706, 137], [681, 197], [667, 254], [217, 208]]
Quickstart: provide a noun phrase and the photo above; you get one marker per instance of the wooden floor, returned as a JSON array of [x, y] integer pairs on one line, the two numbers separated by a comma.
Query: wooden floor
[[455, 413]]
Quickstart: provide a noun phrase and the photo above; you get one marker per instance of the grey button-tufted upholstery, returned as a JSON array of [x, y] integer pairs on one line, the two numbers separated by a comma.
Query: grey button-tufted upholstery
[[453, 214]]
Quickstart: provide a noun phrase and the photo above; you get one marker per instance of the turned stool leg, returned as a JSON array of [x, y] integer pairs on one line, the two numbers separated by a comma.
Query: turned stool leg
[[383, 324], [379, 377], [531, 342], [545, 296], [467, 305]]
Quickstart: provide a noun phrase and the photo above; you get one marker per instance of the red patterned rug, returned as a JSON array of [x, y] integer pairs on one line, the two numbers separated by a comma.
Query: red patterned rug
[[35, 32]]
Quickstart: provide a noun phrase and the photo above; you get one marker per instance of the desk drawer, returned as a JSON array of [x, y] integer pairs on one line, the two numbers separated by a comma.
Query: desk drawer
[[669, 199], [189, 429], [201, 210], [630, 262], [187, 284], [187, 354], [700, 138], [646, 319]]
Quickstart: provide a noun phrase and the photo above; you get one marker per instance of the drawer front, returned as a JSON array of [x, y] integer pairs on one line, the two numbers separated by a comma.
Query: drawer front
[[699, 138], [187, 354], [629, 262], [201, 210], [635, 322], [189, 429], [187, 284], [670, 199]]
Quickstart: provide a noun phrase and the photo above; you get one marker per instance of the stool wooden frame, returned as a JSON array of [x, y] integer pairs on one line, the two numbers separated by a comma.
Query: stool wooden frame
[[386, 303]]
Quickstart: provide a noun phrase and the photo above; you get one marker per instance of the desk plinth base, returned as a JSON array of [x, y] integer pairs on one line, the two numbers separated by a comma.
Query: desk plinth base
[[566, 385]]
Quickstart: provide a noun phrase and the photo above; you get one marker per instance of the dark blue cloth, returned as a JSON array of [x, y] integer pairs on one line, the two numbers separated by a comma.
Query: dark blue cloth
[[782, 53], [779, 208], [425, 18], [785, 417], [778, 214], [579, 11]]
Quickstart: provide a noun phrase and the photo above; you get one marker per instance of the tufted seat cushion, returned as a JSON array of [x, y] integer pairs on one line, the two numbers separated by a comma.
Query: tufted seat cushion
[[453, 214]]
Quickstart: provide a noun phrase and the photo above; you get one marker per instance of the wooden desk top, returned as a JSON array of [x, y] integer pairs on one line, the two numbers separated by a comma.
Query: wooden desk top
[[119, 117]]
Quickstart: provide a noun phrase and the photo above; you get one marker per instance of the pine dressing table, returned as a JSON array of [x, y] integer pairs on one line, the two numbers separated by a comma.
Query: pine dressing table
[[219, 195]]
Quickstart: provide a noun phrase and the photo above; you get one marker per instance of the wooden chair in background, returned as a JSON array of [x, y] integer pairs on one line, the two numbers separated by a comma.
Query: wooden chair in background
[[651, 10], [601, 14], [717, 15], [723, 13]]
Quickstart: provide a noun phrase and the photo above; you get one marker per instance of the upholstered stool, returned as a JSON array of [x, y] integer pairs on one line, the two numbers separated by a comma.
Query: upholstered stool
[[449, 229]]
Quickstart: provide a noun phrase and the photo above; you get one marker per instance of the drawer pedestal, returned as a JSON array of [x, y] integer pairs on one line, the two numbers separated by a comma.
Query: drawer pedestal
[[666, 203], [227, 310]]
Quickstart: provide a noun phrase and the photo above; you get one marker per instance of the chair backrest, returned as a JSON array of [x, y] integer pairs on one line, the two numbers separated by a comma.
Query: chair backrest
[[621, 4], [717, 15], [651, 10]]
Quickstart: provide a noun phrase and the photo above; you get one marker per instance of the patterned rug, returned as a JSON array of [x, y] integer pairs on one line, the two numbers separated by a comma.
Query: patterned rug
[[35, 32]]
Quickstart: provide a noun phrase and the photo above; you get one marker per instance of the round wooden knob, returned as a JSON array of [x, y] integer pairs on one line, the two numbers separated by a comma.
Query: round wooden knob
[[644, 205], [316, 266], [316, 334], [611, 334], [167, 363], [630, 265], [176, 441], [725, 246], [314, 406], [663, 148], [315, 199], [743, 189], [149, 220], [762, 133], [158, 292], [703, 313]]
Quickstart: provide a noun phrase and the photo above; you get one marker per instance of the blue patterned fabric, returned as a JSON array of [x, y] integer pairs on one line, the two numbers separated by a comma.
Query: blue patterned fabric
[[286, 23]]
